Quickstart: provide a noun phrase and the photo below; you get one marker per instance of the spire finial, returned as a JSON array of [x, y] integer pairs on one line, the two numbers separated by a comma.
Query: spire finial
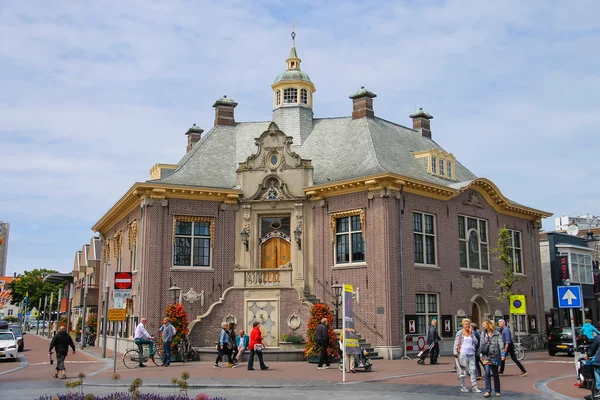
[[293, 35]]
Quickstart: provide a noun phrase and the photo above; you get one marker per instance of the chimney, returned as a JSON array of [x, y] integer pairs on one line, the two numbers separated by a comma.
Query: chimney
[[224, 111], [194, 134], [421, 122], [362, 104]]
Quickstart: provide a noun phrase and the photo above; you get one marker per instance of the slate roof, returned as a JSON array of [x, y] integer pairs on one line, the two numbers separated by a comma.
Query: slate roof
[[339, 148]]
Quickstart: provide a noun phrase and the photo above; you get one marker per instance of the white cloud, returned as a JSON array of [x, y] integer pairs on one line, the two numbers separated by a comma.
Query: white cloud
[[92, 95]]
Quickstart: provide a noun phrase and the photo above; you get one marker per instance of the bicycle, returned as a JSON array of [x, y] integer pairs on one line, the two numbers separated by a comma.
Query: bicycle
[[532, 342], [186, 350], [519, 351], [133, 356]]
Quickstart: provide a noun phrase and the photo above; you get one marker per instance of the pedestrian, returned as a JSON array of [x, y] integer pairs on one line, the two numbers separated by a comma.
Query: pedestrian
[[322, 338], [594, 351], [465, 343], [477, 359], [256, 347], [168, 333], [232, 337], [242, 342], [509, 347], [588, 330], [433, 337], [61, 342], [349, 359], [492, 353], [225, 346], [142, 337]]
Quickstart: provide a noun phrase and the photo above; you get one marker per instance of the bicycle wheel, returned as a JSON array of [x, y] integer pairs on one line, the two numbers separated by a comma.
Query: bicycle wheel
[[131, 358], [526, 343], [520, 352], [158, 357], [192, 354]]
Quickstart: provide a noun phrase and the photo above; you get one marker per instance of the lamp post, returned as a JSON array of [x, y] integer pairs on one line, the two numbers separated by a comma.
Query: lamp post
[[175, 291], [590, 219], [298, 237], [337, 291], [244, 235]]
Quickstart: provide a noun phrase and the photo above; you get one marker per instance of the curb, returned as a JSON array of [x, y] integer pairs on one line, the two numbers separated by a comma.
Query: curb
[[24, 363], [542, 386]]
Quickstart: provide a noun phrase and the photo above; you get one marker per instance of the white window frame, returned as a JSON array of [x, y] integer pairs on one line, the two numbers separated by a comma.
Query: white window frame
[[480, 242], [303, 96], [192, 237], [576, 251], [427, 314], [278, 95], [434, 165], [424, 235], [288, 98], [513, 250], [441, 169], [449, 169], [349, 234]]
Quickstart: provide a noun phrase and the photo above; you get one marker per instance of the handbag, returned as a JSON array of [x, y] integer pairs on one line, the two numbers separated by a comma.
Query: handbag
[[259, 347]]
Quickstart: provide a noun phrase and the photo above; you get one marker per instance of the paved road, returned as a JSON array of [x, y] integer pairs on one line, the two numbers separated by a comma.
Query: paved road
[[389, 380]]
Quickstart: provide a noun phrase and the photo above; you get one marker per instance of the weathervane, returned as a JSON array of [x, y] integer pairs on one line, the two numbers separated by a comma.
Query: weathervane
[[293, 35]]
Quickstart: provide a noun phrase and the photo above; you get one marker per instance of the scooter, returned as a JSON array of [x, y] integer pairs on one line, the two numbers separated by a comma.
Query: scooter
[[361, 360]]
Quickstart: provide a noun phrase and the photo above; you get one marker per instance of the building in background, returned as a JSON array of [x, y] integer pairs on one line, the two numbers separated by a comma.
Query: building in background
[[4, 230], [5, 282], [583, 222]]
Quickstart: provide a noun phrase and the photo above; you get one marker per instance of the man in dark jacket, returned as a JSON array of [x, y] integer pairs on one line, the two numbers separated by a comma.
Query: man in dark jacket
[[433, 337], [594, 351], [61, 341], [322, 338]]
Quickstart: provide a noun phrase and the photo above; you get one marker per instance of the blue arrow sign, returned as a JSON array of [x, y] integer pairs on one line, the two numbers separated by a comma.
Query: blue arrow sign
[[569, 296]]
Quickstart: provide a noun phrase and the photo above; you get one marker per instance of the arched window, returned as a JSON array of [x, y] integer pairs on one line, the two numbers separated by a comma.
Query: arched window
[[304, 96], [290, 95], [278, 97], [473, 243]]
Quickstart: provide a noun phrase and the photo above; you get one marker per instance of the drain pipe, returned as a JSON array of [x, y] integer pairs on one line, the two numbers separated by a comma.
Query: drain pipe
[[140, 267], [402, 309], [535, 279]]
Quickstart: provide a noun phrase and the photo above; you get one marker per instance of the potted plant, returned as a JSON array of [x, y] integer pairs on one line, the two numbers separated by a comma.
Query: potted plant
[[312, 351], [178, 317], [289, 341]]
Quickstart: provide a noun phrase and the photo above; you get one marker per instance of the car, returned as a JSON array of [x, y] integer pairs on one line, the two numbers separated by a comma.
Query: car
[[8, 346], [560, 340], [18, 332]]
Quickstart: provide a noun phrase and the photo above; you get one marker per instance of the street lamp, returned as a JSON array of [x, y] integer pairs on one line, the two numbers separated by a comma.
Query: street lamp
[[298, 237], [337, 292], [175, 291], [590, 219], [244, 235]]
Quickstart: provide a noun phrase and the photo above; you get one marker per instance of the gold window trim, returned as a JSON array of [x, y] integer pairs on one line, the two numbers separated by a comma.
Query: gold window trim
[[118, 245], [344, 214], [187, 218], [107, 251], [132, 235]]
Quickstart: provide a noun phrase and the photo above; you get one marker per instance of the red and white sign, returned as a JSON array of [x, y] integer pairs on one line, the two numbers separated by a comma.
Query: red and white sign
[[447, 325], [416, 343], [411, 326], [123, 280], [532, 324]]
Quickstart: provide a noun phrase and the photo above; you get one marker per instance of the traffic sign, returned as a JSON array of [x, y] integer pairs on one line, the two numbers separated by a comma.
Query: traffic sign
[[117, 315], [518, 305], [569, 296], [123, 280]]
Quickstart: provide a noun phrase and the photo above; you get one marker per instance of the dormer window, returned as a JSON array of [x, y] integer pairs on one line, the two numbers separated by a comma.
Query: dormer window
[[303, 96], [290, 95], [437, 162], [278, 97]]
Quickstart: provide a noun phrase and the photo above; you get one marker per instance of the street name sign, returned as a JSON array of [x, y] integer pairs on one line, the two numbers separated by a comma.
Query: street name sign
[[117, 315], [569, 296]]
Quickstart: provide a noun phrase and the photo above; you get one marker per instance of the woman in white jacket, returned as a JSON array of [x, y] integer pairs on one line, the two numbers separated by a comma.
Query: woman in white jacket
[[465, 344]]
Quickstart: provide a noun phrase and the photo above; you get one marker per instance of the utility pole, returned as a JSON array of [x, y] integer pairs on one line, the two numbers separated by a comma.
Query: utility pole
[[85, 293], [105, 319], [50, 313], [37, 320]]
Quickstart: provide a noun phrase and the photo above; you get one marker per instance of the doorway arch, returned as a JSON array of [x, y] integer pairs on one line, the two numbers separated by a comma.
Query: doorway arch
[[479, 310]]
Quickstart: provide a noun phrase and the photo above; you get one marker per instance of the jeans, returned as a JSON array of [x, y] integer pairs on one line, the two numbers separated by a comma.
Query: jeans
[[140, 343], [492, 370], [435, 352], [323, 358], [596, 375], [468, 362], [260, 360], [167, 348], [477, 366], [224, 350], [513, 357]]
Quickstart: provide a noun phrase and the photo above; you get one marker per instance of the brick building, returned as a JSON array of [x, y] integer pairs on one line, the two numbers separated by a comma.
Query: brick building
[[258, 219]]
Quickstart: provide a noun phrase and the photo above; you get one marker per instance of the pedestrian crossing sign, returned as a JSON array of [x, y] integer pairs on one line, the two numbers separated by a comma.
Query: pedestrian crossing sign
[[517, 304]]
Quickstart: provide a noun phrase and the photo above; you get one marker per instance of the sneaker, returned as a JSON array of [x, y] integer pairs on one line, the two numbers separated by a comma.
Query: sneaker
[[475, 389], [320, 367], [498, 395], [235, 366], [216, 366], [327, 366], [486, 394], [524, 373], [464, 389]]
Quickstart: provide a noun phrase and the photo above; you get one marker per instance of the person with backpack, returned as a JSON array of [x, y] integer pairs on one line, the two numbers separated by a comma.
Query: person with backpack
[[465, 344], [61, 342], [491, 354], [224, 347]]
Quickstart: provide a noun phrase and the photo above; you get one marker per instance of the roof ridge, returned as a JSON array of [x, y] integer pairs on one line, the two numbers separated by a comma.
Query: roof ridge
[[373, 145]]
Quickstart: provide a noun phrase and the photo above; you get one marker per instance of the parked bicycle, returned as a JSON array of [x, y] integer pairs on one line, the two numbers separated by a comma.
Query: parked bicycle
[[519, 351], [532, 342], [187, 350], [132, 357]]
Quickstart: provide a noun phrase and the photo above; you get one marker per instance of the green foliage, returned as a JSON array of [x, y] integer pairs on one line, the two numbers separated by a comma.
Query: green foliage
[[291, 338], [78, 326], [503, 253], [33, 282], [10, 319], [178, 317], [318, 312]]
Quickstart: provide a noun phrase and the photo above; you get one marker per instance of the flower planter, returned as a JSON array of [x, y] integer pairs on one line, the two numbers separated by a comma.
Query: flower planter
[[292, 346]]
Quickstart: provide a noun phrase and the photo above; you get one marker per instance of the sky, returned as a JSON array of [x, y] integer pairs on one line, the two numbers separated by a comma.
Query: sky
[[93, 94]]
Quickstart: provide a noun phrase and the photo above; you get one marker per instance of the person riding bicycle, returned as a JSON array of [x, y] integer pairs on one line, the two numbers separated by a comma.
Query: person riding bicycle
[[141, 338], [588, 330]]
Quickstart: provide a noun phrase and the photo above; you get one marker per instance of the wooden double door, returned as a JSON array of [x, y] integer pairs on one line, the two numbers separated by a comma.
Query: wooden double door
[[275, 252]]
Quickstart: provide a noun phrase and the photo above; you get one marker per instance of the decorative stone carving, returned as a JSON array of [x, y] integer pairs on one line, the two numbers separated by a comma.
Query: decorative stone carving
[[473, 200], [293, 322], [246, 209], [477, 282], [230, 318], [192, 296], [298, 207]]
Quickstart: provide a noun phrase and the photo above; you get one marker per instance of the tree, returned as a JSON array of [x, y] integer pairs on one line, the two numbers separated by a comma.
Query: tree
[[33, 282], [318, 312], [178, 317], [504, 253]]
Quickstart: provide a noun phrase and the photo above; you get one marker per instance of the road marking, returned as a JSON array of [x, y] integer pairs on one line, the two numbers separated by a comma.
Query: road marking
[[66, 362]]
